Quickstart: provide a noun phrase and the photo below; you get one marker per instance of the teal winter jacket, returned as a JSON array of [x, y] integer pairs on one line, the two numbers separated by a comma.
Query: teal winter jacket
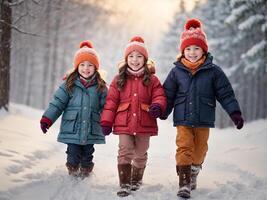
[[81, 113]]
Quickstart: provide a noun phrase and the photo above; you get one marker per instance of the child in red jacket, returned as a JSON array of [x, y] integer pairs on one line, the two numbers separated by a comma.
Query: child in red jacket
[[135, 99]]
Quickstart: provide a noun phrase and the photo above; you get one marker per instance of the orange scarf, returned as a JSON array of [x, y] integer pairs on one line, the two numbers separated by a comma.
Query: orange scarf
[[193, 66]]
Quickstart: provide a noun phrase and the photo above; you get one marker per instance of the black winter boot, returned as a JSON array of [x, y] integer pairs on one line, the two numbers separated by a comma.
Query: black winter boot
[[184, 173], [125, 179]]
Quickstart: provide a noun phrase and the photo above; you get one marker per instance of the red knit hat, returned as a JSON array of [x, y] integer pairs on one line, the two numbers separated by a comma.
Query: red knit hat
[[86, 53], [193, 35], [137, 43]]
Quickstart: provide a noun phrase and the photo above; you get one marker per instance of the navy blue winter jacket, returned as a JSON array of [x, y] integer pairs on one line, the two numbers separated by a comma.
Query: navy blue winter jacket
[[193, 97]]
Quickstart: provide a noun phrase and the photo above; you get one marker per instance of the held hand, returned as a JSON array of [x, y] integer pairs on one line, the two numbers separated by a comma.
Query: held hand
[[106, 130], [44, 126], [154, 110], [237, 119], [163, 117]]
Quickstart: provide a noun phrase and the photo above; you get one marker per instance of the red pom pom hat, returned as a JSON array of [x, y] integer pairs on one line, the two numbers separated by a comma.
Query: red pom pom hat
[[86, 53], [193, 35], [137, 43]]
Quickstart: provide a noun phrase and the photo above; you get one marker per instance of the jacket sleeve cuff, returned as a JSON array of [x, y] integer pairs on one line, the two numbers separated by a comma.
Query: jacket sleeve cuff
[[106, 123], [236, 112], [46, 120]]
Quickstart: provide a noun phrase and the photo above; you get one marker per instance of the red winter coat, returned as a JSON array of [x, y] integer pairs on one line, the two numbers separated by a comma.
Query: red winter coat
[[127, 110]]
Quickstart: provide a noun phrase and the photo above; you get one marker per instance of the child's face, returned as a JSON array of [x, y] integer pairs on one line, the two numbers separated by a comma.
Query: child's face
[[193, 53], [86, 69], [135, 60]]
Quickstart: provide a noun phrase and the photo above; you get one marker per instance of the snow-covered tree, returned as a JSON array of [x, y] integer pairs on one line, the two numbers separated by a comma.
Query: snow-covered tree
[[250, 17]]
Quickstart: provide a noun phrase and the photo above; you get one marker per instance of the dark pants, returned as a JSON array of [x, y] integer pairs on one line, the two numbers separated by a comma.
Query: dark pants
[[80, 155]]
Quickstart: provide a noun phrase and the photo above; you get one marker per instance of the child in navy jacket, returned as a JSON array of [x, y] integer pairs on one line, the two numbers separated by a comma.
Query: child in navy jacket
[[192, 88]]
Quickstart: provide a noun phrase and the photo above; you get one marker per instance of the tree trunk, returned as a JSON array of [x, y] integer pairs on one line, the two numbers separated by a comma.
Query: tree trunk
[[47, 58], [54, 71], [5, 39]]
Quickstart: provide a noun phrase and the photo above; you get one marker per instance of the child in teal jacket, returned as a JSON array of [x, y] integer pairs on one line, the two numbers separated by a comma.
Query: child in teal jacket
[[81, 99]]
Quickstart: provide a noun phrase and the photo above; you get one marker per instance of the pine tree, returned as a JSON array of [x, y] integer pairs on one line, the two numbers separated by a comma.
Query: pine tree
[[251, 19]]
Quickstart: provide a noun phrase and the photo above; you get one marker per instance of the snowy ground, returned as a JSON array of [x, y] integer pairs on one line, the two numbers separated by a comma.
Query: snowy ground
[[32, 164]]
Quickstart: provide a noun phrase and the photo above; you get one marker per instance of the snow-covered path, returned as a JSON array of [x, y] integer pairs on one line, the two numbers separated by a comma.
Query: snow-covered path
[[32, 164]]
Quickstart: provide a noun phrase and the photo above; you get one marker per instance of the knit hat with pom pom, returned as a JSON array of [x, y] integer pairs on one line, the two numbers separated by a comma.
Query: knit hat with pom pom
[[193, 35], [137, 43], [86, 53]]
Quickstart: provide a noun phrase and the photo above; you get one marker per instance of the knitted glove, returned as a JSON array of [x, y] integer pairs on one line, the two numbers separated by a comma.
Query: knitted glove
[[106, 130], [45, 124], [237, 119], [154, 110], [44, 127]]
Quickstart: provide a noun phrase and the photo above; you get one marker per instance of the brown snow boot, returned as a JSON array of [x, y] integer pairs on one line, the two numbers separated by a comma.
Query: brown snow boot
[[184, 173], [137, 176], [85, 171], [194, 173], [124, 171], [73, 171]]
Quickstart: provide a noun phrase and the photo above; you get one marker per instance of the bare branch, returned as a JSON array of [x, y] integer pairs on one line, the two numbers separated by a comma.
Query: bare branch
[[16, 3], [36, 2], [22, 16], [27, 9], [20, 31]]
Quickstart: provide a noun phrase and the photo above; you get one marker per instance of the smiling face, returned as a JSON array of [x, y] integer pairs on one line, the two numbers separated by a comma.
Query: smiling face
[[86, 69], [193, 53], [135, 60]]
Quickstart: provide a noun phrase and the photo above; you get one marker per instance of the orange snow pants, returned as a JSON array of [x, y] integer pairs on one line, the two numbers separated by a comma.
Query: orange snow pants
[[192, 145]]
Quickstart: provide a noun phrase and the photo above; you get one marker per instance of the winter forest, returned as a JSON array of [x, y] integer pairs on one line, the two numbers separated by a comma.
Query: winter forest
[[38, 40], [45, 35]]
